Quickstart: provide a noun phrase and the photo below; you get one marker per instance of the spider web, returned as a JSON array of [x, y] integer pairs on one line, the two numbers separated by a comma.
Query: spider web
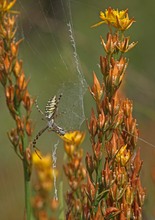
[[51, 48], [51, 57]]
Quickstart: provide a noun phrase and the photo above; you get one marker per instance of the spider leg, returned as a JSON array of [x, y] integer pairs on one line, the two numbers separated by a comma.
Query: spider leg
[[37, 107], [57, 103], [36, 138], [58, 100]]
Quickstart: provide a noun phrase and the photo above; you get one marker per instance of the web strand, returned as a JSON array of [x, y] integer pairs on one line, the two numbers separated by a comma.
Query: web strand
[[140, 139]]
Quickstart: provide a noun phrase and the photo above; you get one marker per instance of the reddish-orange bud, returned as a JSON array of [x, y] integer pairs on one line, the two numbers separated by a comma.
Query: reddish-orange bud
[[9, 92], [89, 163], [69, 149], [54, 204], [111, 210], [104, 66], [20, 124], [97, 148], [13, 137], [124, 46], [28, 156], [14, 47], [90, 188], [17, 68], [92, 126], [106, 173], [101, 120], [141, 192], [7, 64], [96, 90], [114, 191], [28, 101], [127, 107], [29, 128], [74, 184], [21, 82], [76, 162], [129, 194], [110, 46]]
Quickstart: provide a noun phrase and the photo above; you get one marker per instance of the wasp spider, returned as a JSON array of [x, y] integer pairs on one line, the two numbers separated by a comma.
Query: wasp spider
[[49, 116]]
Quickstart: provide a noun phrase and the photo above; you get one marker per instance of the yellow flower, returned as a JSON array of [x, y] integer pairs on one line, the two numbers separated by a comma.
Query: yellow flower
[[72, 140], [118, 19], [74, 137], [44, 170], [41, 161], [123, 155], [5, 6]]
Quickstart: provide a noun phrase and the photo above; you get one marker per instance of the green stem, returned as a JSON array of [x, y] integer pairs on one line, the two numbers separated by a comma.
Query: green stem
[[27, 196], [27, 186]]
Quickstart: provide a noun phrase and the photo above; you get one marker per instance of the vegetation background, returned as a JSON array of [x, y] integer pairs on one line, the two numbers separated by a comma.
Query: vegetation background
[[44, 34]]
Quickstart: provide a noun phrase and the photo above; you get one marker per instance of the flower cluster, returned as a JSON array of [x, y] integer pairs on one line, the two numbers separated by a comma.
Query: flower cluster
[[42, 200], [18, 99], [118, 19], [75, 172], [113, 186], [13, 79]]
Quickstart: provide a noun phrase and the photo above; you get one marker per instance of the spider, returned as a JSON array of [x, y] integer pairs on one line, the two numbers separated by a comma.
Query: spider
[[49, 116]]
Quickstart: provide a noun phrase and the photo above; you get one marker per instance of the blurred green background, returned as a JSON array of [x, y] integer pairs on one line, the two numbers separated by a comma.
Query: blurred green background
[[48, 60]]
